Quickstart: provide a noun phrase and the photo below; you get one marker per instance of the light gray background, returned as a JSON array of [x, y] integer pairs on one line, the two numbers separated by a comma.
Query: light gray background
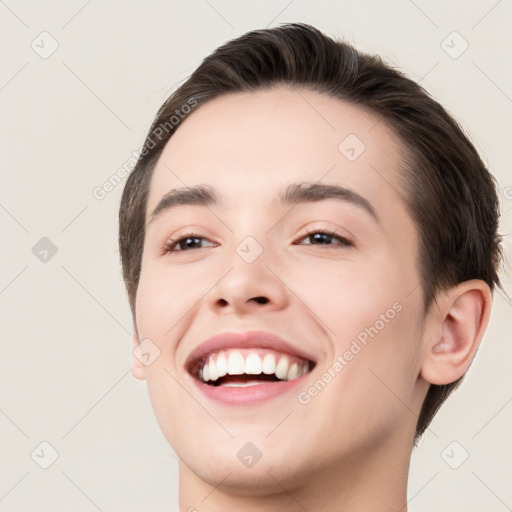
[[70, 120]]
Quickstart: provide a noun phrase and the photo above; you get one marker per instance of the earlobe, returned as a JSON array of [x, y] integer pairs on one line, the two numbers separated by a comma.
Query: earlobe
[[463, 318], [137, 366]]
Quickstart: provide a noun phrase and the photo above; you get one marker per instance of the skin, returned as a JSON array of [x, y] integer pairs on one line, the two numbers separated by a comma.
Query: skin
[[350, 446]]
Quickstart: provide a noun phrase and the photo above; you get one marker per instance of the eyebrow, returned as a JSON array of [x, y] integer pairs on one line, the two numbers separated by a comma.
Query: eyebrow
[[292, 194]]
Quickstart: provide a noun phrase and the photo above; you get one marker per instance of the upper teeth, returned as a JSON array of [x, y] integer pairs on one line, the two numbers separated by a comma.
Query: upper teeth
[[236, 362]]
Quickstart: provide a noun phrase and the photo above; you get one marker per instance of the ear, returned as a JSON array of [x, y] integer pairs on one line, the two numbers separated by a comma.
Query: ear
[[460, 321], [137, 366]]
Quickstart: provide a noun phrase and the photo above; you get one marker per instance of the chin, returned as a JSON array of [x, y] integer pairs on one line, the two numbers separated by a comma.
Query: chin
[[235, 479]]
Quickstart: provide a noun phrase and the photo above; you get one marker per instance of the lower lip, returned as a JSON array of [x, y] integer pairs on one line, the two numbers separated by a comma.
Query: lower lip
[[248, 394]]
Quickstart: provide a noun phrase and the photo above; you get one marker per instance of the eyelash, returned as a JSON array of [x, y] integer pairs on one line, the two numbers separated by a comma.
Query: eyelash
[[172, 242]]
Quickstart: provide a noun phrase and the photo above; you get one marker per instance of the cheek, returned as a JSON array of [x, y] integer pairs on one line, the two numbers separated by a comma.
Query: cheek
[[381, 362], [347, 295], [164, 296], [373, 322], [366, 389]]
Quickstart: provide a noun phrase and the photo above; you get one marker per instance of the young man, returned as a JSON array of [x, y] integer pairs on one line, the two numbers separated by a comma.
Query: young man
[[309, 244]]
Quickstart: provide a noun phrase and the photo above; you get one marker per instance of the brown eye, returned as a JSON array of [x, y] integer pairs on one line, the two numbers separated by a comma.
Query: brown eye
[[183, 243], [192, 241], [322, 237]]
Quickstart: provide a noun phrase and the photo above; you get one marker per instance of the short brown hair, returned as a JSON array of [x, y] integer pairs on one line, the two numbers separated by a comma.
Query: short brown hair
[[448, 191]]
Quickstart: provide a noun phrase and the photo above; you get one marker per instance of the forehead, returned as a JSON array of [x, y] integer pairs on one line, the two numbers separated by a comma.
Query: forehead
[[250, 145]]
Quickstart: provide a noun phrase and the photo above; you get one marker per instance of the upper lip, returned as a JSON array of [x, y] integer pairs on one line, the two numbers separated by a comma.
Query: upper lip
[[241, 340]]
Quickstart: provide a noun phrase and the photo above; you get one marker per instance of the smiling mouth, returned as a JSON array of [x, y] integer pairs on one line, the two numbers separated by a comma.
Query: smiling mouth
[[248, 367]]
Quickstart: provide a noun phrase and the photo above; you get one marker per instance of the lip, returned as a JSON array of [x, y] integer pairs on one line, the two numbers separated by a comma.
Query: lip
[[249, 395], [245, 340]]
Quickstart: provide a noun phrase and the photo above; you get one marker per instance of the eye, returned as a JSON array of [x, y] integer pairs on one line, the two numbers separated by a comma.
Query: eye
[[323, 236], [182, 243], [193, 240]]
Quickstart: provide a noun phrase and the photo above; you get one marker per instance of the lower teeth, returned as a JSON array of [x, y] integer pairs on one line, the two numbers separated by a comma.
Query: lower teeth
[[242, 381], [241, 384]]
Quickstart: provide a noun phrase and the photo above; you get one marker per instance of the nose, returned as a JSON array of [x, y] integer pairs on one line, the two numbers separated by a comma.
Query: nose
[[248, 287]]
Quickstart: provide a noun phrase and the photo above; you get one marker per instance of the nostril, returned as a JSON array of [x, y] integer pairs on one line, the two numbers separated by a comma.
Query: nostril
[[261, 300]]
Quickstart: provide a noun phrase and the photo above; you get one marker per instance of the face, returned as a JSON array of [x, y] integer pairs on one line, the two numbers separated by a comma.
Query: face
[[326, 281]]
